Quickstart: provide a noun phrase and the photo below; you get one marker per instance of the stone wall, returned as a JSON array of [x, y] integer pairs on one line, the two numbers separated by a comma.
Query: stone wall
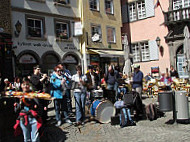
[[5, 15]]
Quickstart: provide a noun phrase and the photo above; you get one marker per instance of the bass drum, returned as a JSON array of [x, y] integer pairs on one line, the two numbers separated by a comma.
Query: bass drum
[[102, 110]]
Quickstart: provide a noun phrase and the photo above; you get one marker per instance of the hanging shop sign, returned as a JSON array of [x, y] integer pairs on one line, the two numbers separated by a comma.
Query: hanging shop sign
[[154, 69], [78, 29]]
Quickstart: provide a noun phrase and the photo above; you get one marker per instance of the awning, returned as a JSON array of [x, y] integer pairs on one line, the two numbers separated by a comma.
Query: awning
[[108, 53]]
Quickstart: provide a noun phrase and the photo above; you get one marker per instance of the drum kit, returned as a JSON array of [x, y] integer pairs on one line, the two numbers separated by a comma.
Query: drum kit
[[101, 109]]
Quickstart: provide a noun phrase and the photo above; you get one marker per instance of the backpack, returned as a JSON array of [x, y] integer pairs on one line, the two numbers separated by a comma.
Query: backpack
[[124, 116], [151, 112]]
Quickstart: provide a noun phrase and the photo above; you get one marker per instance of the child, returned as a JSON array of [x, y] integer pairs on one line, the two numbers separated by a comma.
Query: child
[[28, 119]]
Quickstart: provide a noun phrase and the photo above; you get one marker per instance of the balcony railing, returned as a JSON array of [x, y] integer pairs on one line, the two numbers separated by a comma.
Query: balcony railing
[[177, 15]]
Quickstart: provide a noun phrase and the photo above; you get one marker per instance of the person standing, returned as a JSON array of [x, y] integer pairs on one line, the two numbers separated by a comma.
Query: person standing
[[80, 94], [111, 79], [68, 83], [137, 83], [173, 72], [93, 79], [37, 79], [57, 86]]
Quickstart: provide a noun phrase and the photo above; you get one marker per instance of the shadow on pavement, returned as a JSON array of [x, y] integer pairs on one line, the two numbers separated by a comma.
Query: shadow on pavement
[[51, 133]]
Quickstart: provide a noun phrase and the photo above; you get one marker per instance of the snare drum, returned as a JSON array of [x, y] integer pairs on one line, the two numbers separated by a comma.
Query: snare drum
[[102, 110]]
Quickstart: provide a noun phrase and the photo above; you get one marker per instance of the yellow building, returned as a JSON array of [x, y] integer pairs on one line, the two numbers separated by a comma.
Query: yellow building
[[101, 39]]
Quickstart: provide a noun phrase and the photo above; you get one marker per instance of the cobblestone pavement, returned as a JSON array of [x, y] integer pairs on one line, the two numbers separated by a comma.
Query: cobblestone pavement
[[145, 131]]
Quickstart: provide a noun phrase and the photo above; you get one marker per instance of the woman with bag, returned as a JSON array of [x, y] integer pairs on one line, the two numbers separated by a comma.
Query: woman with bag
[[57, 83], [79, 87]]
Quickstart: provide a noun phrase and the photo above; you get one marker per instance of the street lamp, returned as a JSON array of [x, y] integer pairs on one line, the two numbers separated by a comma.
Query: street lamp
[[158, 41]]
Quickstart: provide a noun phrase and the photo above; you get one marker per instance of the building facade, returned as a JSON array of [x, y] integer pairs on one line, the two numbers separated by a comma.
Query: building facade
[[143, 22], [6, 54], [101, 40], [43, 33], [176, 19]]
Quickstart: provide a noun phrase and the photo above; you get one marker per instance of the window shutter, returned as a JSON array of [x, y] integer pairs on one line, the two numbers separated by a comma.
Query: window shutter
[[149, 6], [124, 10], [153, 48]]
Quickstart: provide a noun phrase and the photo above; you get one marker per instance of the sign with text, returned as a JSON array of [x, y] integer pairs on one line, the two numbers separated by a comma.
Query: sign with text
[[70, 59], [26, 44], [70, 47], [78, 28], [27, 59]]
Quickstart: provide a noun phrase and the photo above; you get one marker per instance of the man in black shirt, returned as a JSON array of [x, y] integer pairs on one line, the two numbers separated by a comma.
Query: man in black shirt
[[173, 72], [37, 79]]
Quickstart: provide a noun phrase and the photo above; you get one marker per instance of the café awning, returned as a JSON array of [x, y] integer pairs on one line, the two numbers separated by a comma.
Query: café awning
[[108, 53]]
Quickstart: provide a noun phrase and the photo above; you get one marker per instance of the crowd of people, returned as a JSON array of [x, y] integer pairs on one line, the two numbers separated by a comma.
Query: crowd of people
[[59, 85]]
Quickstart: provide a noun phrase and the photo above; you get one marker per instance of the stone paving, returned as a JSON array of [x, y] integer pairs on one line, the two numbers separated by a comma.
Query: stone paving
[[145, 131]]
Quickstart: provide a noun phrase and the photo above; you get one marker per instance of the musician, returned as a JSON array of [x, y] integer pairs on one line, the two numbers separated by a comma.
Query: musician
[[93, 79], [37, 80], [80, 95], [111, 78], [137, 83], [57, 83], [68, 83], [28, 119]]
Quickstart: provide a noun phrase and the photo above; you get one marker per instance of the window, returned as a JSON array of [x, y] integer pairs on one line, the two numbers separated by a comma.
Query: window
[[62, 1], [177, 4], [132, 12], [35, 27], [111, 35], [137, 10], [109, 6], [62, 30], [94, 4], [140, 52], [96, 33], [141, 10]]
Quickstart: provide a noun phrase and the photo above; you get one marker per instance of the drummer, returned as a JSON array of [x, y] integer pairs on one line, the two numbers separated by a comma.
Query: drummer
[[93, 81]]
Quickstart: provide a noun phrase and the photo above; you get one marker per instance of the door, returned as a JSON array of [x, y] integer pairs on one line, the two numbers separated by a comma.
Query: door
[[180, 62]]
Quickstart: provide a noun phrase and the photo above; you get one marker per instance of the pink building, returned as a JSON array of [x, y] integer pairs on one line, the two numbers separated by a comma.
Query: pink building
[[143, 21]]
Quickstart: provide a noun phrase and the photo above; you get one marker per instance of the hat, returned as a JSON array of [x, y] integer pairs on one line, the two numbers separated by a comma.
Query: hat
[[36, 67], [136, 66], [6, 79]]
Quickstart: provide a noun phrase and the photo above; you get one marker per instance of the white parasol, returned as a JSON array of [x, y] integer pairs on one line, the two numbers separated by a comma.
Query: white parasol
[[127, 66], [186, 46]]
